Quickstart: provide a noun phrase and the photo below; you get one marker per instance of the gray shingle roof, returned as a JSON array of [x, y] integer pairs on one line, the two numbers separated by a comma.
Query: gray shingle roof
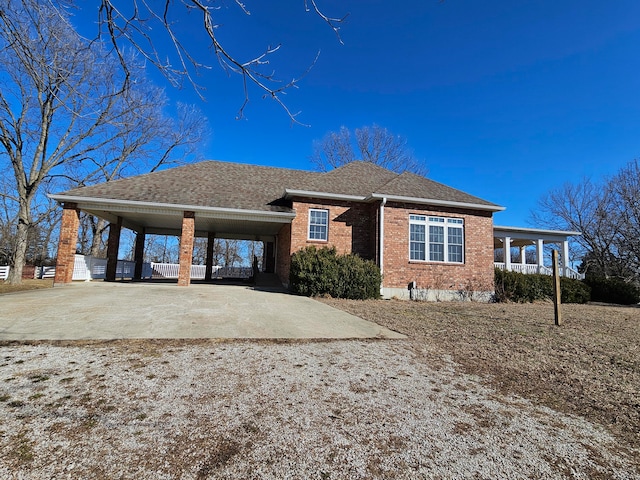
[[252, 187]]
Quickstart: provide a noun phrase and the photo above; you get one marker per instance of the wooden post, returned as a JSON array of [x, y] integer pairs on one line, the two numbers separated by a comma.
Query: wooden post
[[556, 287]]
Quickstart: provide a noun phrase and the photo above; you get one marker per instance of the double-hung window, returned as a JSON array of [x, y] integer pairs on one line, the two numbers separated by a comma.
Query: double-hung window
[[436, 239], [318, 224]]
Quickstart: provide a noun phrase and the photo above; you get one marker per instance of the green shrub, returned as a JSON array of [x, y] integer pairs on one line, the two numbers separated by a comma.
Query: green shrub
[[324, 272], [574, 291], [518, 287], [613, 290]]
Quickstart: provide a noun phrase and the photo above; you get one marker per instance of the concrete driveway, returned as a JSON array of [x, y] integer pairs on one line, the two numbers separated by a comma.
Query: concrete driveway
[[100, 310]]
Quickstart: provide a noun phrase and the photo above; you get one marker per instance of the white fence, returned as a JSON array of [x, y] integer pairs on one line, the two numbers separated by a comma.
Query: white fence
[[45, 272], [88, 268]]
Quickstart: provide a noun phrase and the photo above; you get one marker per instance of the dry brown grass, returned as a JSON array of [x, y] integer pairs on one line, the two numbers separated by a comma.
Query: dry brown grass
[[589, 366], [5, 287]]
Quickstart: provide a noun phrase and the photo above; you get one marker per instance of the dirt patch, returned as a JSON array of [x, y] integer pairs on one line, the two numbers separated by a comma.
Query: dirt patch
[[6, 287], [589, 366]]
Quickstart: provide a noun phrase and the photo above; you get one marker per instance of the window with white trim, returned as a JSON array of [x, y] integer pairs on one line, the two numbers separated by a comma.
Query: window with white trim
[[436, 239], [318, 224]]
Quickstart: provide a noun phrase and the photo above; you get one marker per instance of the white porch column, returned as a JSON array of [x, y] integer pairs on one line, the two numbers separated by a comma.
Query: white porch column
[[506, 244], [540, 254], [565, 258], [523, 255]]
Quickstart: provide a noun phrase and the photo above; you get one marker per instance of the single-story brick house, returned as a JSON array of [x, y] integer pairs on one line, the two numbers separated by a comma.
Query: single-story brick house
[[415, 229]]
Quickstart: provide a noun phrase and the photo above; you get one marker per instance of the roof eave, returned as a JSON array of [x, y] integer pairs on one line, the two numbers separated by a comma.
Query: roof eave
[[541, 231], [289, 193], [137, 206], [436, 202]]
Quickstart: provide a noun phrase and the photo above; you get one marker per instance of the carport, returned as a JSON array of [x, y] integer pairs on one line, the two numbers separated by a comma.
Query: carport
[[185, 221], [207, 199]]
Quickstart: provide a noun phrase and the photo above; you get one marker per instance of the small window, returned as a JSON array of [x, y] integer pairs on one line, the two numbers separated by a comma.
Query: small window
[[318, 225], [442, 238]]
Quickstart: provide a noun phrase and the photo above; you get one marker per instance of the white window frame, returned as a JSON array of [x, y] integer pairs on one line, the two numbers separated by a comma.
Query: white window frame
[[452, 229], [325, 225]]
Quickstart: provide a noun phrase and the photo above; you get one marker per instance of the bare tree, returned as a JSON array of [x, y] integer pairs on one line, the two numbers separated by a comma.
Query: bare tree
[[372, 143], [625, 187], [149, 140], [147, 26], [64, 105], [607, 214], [162, 249]]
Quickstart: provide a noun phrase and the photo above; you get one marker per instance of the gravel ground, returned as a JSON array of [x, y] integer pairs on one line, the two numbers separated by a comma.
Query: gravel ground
[[268, 409], [589, 366]]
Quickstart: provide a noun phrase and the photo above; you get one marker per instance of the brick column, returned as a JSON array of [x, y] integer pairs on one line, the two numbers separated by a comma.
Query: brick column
[[186, 248], [113, 245], [67, 243], [208, 269], [138, 254]]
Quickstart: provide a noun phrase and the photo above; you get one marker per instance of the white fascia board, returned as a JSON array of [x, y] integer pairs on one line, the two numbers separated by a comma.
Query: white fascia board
[[116, 205], [288, 193], [532, 231], [440, 203]]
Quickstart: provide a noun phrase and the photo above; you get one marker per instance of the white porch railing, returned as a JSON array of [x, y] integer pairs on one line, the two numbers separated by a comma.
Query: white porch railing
[[4, 272], [532, 269], [170, 270]]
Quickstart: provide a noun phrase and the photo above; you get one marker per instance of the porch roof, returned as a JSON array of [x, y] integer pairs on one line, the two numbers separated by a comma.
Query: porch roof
[[522, 236]]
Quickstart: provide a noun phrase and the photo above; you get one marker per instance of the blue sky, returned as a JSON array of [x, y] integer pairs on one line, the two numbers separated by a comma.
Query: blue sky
[[502, 99]]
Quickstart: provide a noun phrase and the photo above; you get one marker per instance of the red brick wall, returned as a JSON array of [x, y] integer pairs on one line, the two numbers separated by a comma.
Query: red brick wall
[[283, 253], [186, 248], [351, 227], [113, 246], [67, 243], [477, 270]]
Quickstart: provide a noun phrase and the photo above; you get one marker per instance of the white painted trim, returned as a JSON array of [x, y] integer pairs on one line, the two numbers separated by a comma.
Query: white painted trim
[[394, 198], [445, 224], [288, 193], [534, 231], [132, 206], [309, 225], [440, 203]]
